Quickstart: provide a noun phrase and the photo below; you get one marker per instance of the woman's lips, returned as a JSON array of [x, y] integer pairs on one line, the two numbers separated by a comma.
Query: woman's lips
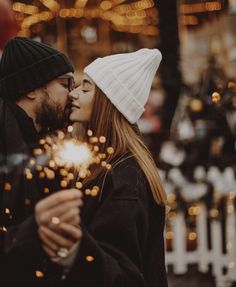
[[75, 106]]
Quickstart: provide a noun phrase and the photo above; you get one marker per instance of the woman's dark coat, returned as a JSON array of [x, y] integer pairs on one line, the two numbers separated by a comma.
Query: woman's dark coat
[[122, 234]]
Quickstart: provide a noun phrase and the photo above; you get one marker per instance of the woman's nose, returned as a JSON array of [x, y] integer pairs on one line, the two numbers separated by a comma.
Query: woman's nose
[[74, 94]]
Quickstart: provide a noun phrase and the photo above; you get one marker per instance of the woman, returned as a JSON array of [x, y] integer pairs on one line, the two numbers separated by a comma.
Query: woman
[[122, 227]]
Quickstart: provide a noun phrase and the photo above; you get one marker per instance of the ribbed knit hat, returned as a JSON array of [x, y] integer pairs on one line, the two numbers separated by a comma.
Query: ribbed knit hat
[[27, 65], [126, 79]]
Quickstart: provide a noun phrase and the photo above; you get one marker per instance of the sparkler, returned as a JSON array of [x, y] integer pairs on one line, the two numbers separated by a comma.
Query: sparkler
[[66, 159]]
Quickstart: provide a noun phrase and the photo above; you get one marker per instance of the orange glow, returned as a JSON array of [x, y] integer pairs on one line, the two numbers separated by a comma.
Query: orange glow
[[200, 7]]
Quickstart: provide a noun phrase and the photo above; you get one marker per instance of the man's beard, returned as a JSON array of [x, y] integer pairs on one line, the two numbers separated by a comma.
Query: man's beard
[[51, 115]]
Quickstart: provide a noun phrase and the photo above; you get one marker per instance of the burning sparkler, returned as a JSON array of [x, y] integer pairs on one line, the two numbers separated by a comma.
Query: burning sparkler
[[69, 158]]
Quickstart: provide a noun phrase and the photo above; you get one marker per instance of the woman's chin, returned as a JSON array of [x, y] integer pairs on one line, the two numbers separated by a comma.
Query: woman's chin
[[73, 119]]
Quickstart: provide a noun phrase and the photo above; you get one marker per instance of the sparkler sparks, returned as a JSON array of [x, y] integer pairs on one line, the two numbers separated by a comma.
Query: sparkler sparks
[[71, 153], [67, 160]]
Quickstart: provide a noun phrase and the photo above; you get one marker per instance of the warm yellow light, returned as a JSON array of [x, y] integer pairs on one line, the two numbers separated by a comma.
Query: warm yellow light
[[73, 153], [136, 14], [3, 229], [51, 5], [106, 5], [231, 85], [200, 7], [194, 210], [171, 215], [232, 195], [7, 210], [169, 235], [189, 20], [55, 220], [7, 186], [192, 236], [45, 16], [81, 3], [89, 258], [79, 185], [214, 212], [24, 8], [216, 97], [171, 197], [230, 208], [150, 31], [39, 274]]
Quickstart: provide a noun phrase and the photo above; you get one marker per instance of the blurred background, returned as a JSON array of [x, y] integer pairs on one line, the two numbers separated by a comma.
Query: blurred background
[[190, 120]]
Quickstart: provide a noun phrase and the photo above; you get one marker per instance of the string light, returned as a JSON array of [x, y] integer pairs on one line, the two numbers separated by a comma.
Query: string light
[[124, 17], [24, 8], [169, 235], [215, 97], [51, 5], [106, 5], [214, 213], [230, 208], [7, 186], [3, 229], [192, 236], [80, 3], [189, 20], [39, 274], [200, 7], [194, 210], [90, 258]]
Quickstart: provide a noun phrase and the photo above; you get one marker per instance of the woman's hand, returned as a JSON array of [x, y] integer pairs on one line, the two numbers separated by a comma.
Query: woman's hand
[[53, 241]]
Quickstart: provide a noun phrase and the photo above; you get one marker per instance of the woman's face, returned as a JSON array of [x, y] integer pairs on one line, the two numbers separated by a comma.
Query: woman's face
[[82, 100]]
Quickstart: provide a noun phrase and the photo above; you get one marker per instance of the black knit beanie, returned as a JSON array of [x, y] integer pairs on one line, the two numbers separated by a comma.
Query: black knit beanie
[[27, 65]]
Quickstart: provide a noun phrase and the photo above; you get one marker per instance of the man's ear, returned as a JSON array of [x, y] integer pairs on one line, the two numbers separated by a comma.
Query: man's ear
[[32, 95]]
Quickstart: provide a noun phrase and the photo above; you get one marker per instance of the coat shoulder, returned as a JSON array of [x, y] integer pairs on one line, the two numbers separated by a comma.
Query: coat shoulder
[[127, 178]]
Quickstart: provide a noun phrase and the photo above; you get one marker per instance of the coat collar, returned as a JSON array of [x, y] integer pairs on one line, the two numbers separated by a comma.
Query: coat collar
[[26, 125]]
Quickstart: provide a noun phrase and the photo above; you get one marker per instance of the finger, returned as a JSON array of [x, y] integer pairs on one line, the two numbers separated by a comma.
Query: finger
[[58, 198], [71, 216], [49, 252], [46, 216], [56, 238], [72, 231], [47, 241]]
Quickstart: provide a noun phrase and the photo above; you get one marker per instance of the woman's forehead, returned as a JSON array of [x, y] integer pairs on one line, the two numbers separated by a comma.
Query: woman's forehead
[[87, 79]]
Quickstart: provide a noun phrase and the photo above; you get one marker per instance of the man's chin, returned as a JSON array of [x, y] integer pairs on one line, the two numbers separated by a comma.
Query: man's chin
[[71, 117]]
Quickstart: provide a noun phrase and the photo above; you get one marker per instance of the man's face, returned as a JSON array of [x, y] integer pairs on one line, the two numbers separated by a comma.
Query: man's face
[[53, 103]]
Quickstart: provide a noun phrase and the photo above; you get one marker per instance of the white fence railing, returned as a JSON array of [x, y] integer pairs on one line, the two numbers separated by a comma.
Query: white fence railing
[[223, 263]]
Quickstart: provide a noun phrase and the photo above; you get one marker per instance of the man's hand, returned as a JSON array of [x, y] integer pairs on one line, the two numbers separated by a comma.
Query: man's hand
[[62, 206], [52, 241], [58, 217]]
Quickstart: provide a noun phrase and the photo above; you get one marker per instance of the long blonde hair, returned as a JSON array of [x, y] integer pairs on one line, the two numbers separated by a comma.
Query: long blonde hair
[[124, 137]]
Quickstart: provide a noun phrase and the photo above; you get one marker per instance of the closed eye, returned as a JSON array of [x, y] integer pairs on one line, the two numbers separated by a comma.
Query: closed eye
[[64, 85]]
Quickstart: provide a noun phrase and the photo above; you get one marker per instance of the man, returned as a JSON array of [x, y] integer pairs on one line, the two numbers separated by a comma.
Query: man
[[35, 81]]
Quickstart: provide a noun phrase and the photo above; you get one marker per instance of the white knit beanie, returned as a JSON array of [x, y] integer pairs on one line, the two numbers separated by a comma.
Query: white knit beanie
[[126, 79]]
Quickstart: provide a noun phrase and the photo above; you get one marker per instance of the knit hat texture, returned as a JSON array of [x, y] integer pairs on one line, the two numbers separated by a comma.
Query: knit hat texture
[[27, 65], [126, 79]]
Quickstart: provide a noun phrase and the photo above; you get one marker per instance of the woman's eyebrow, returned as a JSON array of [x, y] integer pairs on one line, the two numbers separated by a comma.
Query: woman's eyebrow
[[84, 82]]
